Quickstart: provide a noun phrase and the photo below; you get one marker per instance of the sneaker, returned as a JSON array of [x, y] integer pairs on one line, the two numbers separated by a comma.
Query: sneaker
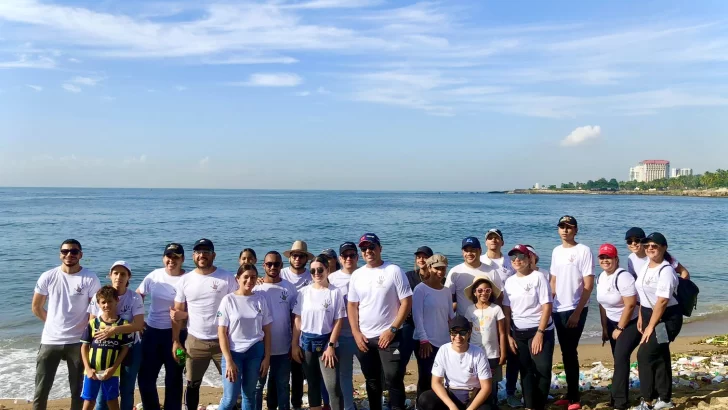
[[326, 407], [663, 405], [513, 401], [574, 406], [642, 406], [562, 402]]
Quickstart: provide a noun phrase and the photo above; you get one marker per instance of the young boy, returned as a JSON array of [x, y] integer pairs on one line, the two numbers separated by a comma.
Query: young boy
[[102, 353]]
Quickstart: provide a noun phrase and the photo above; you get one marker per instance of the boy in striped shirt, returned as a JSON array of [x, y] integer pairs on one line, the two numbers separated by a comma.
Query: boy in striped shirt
[[102, 354]]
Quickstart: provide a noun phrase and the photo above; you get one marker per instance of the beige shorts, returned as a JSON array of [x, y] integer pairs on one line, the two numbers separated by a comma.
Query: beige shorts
[[199, 354]]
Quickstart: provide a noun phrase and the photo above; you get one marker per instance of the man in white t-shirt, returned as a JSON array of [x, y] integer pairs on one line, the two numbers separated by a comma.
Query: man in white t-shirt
[[494, 258], [68, 289], [281, 296], [462, 275], [379, 301], [202, 291], [572, 281]]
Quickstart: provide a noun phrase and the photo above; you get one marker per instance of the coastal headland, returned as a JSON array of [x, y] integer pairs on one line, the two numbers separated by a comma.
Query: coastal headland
[[704, 193]]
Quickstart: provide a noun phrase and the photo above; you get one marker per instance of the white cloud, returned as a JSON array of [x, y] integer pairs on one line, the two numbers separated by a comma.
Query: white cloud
[[581, 135], [249, 60], [302, 94], [88, 81], [180, 88], [24, 61], [71, 88], [74, 60], [322, 90], [270, 80], [107, 98], [333, 4], [204, 161], [35, 88]]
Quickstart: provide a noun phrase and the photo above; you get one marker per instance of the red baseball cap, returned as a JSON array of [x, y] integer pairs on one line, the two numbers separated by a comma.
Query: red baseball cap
[[520, 248], [608, 250]]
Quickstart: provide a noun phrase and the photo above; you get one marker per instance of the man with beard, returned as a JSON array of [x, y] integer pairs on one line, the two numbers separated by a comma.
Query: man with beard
[[494, 258], [68, 289], [281, 296], [462, 276], [202, 290]]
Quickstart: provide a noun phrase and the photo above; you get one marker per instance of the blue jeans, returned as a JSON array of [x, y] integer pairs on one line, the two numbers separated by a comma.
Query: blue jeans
[[157, 352], [248, 364], [345, 352], [127, 380], [279, 375]]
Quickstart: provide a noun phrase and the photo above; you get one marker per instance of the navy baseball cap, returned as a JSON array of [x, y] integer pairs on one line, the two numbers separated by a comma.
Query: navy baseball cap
[[347, 246], [495, 231], [472, 242], [460, 322], [426, 250], [635, 232], [657, 238], [174, 249], [567, 220], [369, 237], [203, 242]]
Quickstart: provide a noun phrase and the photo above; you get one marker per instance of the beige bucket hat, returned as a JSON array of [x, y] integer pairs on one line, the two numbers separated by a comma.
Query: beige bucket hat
[[299, 246]]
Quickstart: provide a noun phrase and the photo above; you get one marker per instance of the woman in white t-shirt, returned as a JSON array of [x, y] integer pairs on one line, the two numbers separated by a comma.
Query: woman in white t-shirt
[[489, 327], [638, 258], [431, 310], [319, 312], [157, 338], [660, 320], [617, 297], [130, 308], [461, 377], [243, 321], [527, 305]]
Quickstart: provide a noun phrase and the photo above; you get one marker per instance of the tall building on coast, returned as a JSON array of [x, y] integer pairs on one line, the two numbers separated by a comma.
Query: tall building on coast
[[650, 170], [681, 172]]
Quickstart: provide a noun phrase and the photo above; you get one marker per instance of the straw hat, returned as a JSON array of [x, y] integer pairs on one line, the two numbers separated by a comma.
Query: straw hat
[[468, 291], [299, 246]]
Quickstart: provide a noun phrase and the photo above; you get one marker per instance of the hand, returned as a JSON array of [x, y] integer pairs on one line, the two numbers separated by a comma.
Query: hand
[[385, 339], [573, 320], [512, 344], [425, 350], [264, 366], [329, 357], [616, 334], [91, 374], [231, 371], [106, 333], [502, 359], [177, 315], [452, 407], [259, 281], [175, 346], [297, 354], [605, 337], [537, 343], [639, 323], [646, 334], [361, 342]]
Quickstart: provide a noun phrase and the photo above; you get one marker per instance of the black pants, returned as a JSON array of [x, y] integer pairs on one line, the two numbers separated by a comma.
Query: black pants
[[388, 363], [497, 371], [569, 342], [424, 369], [622, 349], [512, 370], [430, 401], [653, 359], [297, 377], [157, 352], [535, 369]]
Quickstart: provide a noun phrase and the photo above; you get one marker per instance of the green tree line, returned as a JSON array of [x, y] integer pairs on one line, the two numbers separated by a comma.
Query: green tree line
[[708, 180]]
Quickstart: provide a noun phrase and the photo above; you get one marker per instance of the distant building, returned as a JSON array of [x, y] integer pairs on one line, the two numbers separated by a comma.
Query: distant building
[[650, 170], [536, 186], [681, 172]]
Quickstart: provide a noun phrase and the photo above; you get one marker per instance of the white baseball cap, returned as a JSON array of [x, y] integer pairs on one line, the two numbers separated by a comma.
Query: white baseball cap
[[120, 263]]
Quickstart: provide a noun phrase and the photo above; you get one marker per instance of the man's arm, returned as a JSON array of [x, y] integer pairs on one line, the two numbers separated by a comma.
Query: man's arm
[[405, 307], [37, 306]]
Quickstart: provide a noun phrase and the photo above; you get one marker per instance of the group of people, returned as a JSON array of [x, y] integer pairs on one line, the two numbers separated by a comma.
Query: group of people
[[310, 319]]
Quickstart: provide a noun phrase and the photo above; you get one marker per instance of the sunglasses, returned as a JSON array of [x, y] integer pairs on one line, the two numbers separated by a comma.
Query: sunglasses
[[273, 264], [203, 251], [348, 256], [604, 257], [73, 252], [317, 271], [633, 241], [483, 290], [299, 256], [519, 256], [368, 248], [652, 246], [461, 333]]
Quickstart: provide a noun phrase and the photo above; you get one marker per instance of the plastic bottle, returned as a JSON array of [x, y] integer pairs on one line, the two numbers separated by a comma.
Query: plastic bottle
[[181, 356]]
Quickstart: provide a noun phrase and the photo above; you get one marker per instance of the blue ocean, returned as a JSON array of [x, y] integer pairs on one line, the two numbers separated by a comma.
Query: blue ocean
[[135, 224]]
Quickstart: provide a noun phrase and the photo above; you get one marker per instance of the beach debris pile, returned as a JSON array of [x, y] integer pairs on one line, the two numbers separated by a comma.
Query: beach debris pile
[[721, 340]]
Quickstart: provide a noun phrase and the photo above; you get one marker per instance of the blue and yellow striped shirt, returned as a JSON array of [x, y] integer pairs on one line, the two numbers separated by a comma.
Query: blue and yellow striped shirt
[[103, 353]]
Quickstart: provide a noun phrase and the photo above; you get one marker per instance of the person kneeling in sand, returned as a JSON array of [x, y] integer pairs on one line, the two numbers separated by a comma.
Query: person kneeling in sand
[[102, 358]]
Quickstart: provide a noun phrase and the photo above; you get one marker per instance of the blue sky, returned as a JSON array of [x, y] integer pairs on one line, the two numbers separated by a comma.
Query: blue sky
[[357, 94]]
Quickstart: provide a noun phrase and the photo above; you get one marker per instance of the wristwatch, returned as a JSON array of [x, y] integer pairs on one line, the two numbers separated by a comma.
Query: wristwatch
[[541, 331], [621, 329], [332, 344], [393, 329]]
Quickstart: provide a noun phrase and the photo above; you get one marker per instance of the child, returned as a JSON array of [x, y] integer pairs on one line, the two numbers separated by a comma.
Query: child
[[102, 358], [489, 328]]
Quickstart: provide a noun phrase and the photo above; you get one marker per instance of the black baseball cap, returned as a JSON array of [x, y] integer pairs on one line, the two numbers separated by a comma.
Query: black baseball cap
[[495, 231], [330, 253], [369, 237], [424, 249], [635, 233], [568, 220], [174, 249], [657, 238], [347, 246], [472, 242], [203, 242], [460, 322]]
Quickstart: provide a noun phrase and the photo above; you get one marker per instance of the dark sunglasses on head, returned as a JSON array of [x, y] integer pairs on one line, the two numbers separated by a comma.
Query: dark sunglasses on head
[[462, 333], [633, 241], [73, 251], [349, 255], [317, 271], [273, 264], [368, 248], [519, 256]]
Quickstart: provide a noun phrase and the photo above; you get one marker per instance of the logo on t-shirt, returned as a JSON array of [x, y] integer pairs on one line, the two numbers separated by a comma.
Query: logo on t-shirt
[[471, 369], [215, 286], [284, 295], [435, 364], [78, 290], [125, 308], [219, 314], [326, 304], [572, 258], [258, 309], [380, 281]]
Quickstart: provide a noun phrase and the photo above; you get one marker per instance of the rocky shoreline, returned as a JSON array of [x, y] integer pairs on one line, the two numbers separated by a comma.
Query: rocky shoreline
[[703, 193]]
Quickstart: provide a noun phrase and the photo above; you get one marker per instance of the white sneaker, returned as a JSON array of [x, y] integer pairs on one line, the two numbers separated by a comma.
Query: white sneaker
[[663, 405], [642, 406]]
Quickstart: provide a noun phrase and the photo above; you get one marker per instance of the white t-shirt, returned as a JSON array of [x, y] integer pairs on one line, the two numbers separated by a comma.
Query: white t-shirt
[[526, 296], [299, 281], [651, 284], [570, 266], [611, 289], [319, 309], [159, 287], [501, 265], [462, 276], [68, 299], [130, 305], [203, 294], [431, 311], [485, 328], [281, 297], [244, 316], [379, 292], [341, 281], [461, 370], [635, 263]]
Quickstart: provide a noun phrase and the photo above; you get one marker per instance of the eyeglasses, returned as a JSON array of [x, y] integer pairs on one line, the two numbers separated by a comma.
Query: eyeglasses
[[317, 271], [73, 251], [633, 241], [461, 333], [367, 248], [348, 256], [519, 256], [203, 251], [299, 256], [652, 246], [483, 290], [273, 264]]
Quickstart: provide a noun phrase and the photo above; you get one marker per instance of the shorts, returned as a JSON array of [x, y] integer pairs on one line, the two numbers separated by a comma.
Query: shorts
[[109, 389]]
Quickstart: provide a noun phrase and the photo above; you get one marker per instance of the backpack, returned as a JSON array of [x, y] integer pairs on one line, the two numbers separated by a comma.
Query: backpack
[[616, 280], [687, 296]]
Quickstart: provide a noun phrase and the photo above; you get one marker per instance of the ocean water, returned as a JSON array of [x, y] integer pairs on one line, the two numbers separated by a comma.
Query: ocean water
[[135, 224]]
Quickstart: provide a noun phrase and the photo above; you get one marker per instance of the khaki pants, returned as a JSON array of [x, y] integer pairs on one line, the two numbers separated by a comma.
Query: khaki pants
[[47, 361], [199, 354]]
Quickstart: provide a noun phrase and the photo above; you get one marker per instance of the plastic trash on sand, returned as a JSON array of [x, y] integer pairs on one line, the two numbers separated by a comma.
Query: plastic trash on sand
[[410, 388]]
